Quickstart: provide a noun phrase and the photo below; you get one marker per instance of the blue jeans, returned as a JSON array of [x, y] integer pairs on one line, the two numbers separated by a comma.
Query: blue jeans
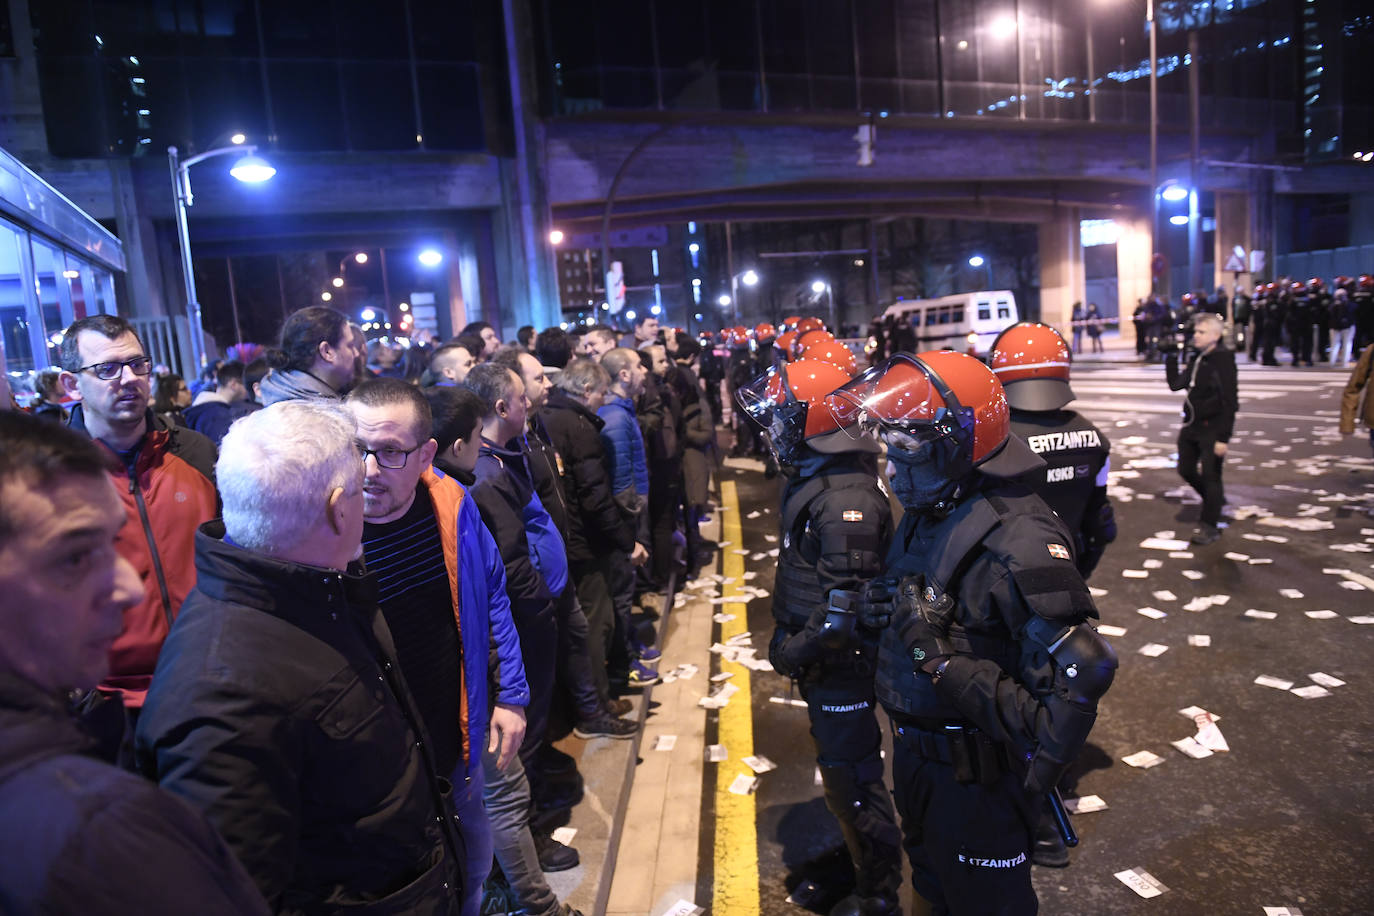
[[476, 832], [507, 800]]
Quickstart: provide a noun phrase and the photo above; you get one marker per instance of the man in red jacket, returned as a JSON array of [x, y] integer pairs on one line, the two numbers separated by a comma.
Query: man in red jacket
[[165, 478]]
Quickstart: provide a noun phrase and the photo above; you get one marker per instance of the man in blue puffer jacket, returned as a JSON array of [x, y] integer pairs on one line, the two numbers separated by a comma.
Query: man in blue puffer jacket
[[629, 473]]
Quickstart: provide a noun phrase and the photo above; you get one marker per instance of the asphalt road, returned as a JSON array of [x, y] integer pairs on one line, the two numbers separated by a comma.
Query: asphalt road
[[1282, 818]]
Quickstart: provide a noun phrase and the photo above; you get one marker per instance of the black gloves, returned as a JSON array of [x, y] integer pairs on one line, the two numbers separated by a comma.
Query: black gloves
[[925, 630]]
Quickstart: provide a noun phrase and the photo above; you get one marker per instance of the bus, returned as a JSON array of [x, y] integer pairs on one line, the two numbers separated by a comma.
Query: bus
[[967, 322]]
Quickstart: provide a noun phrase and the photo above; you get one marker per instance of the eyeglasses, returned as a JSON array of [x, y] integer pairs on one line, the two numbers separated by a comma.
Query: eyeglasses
[[108, 372], [389, 457]]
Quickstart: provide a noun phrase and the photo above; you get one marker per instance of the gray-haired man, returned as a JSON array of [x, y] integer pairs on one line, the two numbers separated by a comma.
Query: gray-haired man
[[278, 708]]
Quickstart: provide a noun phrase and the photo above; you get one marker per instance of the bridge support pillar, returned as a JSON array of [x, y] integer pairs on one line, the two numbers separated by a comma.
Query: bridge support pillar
[[1062, 280], [1132, 269]]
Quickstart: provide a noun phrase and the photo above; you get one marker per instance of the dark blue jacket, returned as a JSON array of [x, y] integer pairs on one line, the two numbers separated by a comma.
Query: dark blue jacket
[[503, 491], [624, 446], [82, 836]]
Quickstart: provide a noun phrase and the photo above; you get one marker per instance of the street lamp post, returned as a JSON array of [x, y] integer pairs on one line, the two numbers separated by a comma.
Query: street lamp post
[[821, 286], [250, 169], [748, 278], [978, 260]]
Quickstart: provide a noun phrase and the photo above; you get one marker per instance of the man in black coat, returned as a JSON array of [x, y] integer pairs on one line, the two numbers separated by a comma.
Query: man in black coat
[[80, 835], [595, 524], [1209, 415], [278, 708]]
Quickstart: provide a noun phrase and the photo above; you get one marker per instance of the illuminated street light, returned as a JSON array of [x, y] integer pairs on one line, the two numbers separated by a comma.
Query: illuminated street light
[[724, 300], [250, 169], [404, 306], [556, 236], [431, 258], [1002, 27], [694, 248], [817, 286], [1174, 193], [361, 257], [368, 315], [337, 282], [237, 139], [749, 278], [976, 261], [326, 296], [1179, 219]]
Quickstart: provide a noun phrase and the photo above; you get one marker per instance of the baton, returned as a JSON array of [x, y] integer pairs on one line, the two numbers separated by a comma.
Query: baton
[[1061, 817]]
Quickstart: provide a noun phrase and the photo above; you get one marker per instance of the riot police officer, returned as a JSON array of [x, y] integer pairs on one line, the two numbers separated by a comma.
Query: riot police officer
[[1275, 313], [1031, 360], [1299, 323], [1363, 295], [1319, 301], [989, 670], [835, 527]]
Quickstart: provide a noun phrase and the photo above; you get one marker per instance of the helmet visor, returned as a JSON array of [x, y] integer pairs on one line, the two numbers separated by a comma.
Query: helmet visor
[[770, 402], [899, 396]]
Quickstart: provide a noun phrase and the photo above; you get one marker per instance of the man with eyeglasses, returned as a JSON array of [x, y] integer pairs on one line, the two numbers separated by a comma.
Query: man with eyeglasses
[[165, 477]]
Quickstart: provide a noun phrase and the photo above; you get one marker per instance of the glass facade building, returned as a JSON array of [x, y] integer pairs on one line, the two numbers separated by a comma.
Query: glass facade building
[[1260, 62], [56, 265], [133, 77]]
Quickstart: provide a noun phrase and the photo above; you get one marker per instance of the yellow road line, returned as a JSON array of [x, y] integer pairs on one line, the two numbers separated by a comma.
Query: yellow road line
[[737, 859]]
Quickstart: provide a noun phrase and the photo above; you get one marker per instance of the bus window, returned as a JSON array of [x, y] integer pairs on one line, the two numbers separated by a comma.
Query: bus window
[[932, 315], [984, 311], [1003, 311]]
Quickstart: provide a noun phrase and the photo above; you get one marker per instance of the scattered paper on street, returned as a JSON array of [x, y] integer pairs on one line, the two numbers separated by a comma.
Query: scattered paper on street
[[716, 753], [1277, 683], [1108, 629], [1321, 615], [564, 835], [1200, 640], [1135, 574], [1311, 691], [683, 908], [1190, 747], [1326, 680], [1260, 615], [1085, 804], [1165, 595], [1152, 613], [1142, 882], [744, 785], [1142, 759], [1290, 593], [1153, 649], [665, 743], [759, 764]]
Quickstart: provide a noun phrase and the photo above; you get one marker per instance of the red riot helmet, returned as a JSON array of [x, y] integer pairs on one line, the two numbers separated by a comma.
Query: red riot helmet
[[764, 331], [1271, 288], [1259, 290], [789, 401], [1342, 282], [1189, 300], [1366, 282], [1316, 284], [790, 322], [785, 342], [808, 324], [737, 336], [831, 351], [1298, 288], [942, 397], [805, 339], [1031, 360]]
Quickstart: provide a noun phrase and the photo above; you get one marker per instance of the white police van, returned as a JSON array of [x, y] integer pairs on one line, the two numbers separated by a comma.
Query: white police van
[[968, 322]]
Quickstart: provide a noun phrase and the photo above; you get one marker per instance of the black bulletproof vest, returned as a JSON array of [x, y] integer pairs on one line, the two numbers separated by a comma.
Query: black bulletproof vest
[[797, 588], [1074, 452]]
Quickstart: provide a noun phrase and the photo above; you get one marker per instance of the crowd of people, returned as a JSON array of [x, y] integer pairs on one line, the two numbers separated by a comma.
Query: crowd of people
[[310, 632], [1313, 320], [379, 583]]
